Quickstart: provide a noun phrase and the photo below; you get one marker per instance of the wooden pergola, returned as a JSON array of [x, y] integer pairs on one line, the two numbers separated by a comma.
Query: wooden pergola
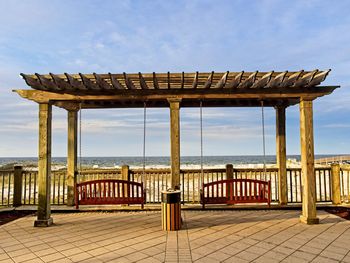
[[174, 90]]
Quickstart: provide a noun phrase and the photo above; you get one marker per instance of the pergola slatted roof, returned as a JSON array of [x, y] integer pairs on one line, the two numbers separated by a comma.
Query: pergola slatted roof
[[214, 88]]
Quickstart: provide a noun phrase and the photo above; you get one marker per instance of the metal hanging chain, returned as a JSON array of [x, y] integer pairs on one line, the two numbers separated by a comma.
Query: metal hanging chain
[[144, 143], [201, 133], [263, 136], [80, 162]]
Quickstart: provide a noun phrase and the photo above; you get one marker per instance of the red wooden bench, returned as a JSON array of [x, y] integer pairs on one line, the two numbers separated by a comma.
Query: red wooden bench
[[109, 191], [235, 191]]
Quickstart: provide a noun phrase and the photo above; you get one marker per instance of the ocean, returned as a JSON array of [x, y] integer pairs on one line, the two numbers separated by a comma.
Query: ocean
[[154, 162]]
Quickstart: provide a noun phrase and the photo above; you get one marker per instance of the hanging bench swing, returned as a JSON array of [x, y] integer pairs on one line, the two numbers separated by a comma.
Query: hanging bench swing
[[234, 191], [111, 191]]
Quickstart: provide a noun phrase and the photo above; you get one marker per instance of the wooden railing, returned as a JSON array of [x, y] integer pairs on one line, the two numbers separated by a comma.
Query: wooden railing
[[157, 180]]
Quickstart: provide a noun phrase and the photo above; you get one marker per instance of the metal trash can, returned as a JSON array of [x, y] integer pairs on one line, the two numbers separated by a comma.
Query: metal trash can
[[171, 210]]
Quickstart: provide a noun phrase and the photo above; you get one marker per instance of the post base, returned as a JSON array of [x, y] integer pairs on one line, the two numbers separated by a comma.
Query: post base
[[309, 221], [43, 223]]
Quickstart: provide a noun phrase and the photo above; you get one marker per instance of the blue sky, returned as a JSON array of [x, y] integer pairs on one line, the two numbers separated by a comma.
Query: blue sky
[[132, 36]]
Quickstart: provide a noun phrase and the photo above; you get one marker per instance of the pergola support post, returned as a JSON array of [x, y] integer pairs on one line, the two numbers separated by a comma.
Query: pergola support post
[[44, 166], [309, 215], [72, 156], [281, 156], [175, 142]]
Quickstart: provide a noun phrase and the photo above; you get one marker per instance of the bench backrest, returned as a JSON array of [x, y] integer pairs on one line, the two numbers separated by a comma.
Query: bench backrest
[[238, 190], [108, 191]]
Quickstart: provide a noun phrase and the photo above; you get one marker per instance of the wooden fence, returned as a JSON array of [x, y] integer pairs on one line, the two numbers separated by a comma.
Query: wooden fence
[[157, 180]]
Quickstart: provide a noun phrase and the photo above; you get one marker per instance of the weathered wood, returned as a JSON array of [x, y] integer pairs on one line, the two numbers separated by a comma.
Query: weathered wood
[[155, 81], [115, 82], [102, 83], [234, 83], [126, 177], [88, 83], [287, 82], [222, 81], [209, 81], [143, 83], [128, 82], [49, 84], [195, 81], [281, 156], [335, 178], [188, 94], [34, 83], [17, 186], [72, 170], [277, 81], [62, 84], [263, 82], [44, 166], [248, 82], [307, 164], [318, 78], [76, 84], [229, 171], [305, 79], [175, 142]]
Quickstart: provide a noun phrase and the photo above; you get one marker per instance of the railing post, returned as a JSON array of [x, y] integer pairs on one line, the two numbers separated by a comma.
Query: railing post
[[17, 186], [229, 171], [335, 177], [126, 177]]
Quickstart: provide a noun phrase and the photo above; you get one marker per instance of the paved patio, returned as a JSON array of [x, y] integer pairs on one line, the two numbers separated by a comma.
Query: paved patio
[[207, 236]]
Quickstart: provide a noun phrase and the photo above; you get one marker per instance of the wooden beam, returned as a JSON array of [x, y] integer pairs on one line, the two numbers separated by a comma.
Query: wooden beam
[[209, 81], [318, 78], [248, 82], [62, 84], [168, 79], [188, 94], [143, 83], [222, 81], [88, 83], [102, 83], [72, 170], [34, 83], [182, 79], [115, 82], [44, 166], [307, 164], [261, 83], [287, 82], [76, 84], [175, 142], [281, 156], [235, 81], [155, 81], [49, 84], [305, 79], [277, 81], [195, 80], [128, 82]]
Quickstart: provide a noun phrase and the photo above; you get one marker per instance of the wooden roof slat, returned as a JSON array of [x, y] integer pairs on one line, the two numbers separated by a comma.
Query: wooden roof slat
[[88, 83], [287, 82], [276, 81], [155, 81], [115, 82], [62, 84], [318, 78], [128, 82], [34, 83], [182, 79], [248, 82], [222, 81], [209, 81], [305, 79], [235, 81], [101, 82], [75, 83], [263, 81], [143, 83], [49, 84], [195, 81], [168, 80]]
